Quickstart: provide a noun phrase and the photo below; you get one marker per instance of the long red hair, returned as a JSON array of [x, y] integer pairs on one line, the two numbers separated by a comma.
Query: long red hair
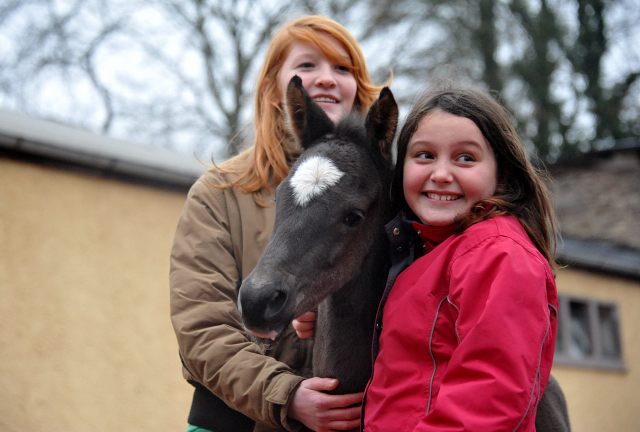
[[267, 162]]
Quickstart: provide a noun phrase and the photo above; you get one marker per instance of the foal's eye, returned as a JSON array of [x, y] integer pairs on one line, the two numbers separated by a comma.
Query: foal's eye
[[353, 218]]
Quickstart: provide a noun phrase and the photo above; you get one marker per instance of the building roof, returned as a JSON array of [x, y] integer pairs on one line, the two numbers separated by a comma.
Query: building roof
[[24, 135], [598, 204]]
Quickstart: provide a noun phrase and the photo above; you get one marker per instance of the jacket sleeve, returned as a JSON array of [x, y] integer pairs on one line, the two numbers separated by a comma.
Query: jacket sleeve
[[506, 338], [212, 343]]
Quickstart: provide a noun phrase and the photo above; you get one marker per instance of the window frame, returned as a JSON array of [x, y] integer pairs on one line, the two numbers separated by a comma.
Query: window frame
[[596, 360]]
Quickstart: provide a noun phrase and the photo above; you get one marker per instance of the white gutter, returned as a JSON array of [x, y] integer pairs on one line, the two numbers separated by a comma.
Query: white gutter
[[25, 134]]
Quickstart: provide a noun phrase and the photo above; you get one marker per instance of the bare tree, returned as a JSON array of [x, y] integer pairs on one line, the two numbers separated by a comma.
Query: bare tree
[[230, 38], [51, 43], [588, 55], [548, 60]]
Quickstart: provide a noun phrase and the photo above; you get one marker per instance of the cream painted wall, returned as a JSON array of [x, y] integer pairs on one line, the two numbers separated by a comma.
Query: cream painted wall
[[86, 342], [599, 400]]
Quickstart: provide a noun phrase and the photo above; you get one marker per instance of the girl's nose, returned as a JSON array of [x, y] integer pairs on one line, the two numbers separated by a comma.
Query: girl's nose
[[325, 77], [441, 173]]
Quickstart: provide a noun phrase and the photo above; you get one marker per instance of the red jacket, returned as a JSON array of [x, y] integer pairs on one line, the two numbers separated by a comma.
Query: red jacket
[[467, 334]]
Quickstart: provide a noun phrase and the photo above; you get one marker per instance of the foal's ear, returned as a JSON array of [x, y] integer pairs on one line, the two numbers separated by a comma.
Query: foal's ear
[[306, 120], [382, 122]]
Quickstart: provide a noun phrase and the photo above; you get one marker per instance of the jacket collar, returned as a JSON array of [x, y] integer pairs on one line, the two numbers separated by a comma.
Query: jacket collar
[[432, 236], [406, 235]]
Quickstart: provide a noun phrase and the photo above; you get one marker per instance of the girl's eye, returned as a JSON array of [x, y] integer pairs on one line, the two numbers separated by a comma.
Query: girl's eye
[[306, 65], [466, 158], [424, 155], [343, 69]]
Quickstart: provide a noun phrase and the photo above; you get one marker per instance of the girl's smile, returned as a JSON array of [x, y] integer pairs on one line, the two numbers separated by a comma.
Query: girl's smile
[[449, 166]]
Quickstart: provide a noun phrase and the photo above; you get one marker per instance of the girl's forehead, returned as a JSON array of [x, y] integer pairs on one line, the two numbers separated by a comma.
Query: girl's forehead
[[445, 124], [324, 44], [446, 130]]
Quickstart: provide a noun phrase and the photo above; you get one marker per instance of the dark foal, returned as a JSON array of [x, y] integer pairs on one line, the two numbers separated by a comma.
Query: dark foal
[[328, 248]]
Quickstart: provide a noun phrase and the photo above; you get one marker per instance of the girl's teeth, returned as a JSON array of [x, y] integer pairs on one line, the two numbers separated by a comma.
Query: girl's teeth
[[441, 197], [324, 99]]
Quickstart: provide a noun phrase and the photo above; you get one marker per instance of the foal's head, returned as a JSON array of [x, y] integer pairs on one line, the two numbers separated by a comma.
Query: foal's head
[[327, 211]]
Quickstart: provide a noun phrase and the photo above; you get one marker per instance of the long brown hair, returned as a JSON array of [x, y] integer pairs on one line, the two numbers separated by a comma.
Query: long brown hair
[[523, 190], [268, 162]]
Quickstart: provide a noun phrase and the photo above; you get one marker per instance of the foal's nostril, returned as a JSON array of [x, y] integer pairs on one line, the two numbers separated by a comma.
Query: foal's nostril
[[275, 303]]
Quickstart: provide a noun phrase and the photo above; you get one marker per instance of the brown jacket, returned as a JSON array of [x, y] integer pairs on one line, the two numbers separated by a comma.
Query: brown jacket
[[220, 236]]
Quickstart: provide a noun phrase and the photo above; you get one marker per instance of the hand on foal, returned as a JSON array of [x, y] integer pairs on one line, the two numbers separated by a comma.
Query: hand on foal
[[305, 325], [322, 412]]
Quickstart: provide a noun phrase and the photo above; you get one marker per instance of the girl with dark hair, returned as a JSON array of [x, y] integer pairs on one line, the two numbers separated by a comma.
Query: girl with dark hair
[[465, 337]]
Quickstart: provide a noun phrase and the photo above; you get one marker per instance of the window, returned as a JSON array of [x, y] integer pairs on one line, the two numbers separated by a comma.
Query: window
[[588, 334]]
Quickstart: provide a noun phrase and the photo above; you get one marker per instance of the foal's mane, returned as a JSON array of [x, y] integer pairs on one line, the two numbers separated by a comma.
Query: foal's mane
[[352, 130]]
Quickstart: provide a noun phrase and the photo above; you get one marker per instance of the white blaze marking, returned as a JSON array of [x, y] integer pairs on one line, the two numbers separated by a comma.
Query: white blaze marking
[[313, 177]]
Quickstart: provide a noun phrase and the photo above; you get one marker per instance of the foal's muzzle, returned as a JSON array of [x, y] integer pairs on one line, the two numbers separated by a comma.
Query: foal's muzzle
[[264, 309]]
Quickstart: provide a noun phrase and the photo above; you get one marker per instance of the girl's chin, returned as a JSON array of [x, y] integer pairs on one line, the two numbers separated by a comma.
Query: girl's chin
[[334, 113], [438, 220]]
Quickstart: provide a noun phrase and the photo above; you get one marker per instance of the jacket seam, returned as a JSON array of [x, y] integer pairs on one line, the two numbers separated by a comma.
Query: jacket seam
[[537, 376], [456, 323], [218, 196], [184, 364], [433, 374]]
